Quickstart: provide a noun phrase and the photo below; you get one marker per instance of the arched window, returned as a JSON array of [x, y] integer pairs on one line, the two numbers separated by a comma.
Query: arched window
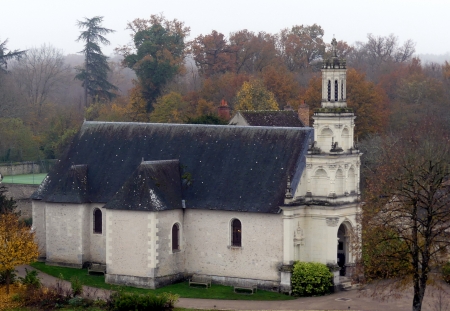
[[97, 221], [236, 233], [336, 90], [175, 237], [329, 90]]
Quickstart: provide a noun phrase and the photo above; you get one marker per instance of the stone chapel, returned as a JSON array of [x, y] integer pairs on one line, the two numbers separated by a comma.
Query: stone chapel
[[155, 203]]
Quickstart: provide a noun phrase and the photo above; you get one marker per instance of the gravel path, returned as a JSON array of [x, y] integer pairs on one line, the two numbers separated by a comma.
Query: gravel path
[[348, 300]]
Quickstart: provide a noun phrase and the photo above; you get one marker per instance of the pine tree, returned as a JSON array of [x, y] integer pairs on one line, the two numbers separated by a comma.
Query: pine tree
[[6, 56], [96, 68], [7, 205]]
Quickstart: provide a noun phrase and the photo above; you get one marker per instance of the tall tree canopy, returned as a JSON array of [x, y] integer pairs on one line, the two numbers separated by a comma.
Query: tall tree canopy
[[157, 55], [95, 72]]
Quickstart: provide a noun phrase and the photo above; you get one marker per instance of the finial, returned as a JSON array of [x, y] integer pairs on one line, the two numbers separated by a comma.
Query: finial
[[334, 46]]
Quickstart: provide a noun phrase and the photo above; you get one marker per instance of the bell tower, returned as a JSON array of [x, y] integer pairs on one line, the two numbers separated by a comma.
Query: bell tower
[[333, 161], [321, 214]]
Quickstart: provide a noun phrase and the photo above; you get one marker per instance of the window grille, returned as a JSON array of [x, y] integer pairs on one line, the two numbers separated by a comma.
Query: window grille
[[236, 237]]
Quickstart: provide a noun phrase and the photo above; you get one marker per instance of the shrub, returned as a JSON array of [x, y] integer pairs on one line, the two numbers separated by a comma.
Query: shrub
[[77, 286], [310, 279], [12, 280], [446, 272], [127, 301], [47, 298], [31, 279]]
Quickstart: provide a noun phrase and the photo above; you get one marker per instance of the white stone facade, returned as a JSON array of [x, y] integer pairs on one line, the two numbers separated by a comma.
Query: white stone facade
[[314, 223]]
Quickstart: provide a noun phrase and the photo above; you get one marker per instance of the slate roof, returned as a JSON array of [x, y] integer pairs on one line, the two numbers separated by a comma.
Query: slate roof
[[233, 168], [153, 186], [287, 118]]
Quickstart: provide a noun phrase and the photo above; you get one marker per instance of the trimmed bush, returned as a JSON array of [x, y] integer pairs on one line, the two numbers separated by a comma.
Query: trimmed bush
[[446, 272], [310, 279], [127, 301]]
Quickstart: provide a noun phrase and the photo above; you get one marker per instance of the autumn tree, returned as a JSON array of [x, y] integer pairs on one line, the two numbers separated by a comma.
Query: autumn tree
[[253, 95], [94, 73], [301, 45], [282, 84], [17, 245], [406, 217], [212, 54], [169, 108], [223, 86], [157, 54], [253, 52]]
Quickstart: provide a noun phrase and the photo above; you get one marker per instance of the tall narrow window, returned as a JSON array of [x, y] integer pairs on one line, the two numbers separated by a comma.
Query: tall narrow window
[[336, 90], [236, 230], [342, 91], [175, 237], [97, 221], [329, 90]]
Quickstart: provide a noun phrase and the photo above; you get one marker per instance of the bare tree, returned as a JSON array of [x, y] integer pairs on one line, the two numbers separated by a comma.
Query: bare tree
[[11, 104], [406, 218], [39, 73], [380, 54]]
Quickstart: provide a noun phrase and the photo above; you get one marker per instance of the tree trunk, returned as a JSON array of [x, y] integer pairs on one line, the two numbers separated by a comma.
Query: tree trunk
[[418, 299], [85, 85], [8, 279]]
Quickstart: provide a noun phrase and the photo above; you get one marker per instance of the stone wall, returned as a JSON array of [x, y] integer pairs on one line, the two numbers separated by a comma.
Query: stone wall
[[131, 247], [21, 168], [21, 194], [65, 228], [170, 262], [207, 235], [97, 240]]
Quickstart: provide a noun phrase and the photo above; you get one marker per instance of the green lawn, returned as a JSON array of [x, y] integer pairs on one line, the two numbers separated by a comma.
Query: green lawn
[[182, 289], [28, 179]]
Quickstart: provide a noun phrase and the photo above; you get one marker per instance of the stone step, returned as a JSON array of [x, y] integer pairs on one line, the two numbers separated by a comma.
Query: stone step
[[349, 286]]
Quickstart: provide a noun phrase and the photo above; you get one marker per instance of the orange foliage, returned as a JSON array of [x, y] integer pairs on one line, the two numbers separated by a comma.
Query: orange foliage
[[282, 84], [221, 87], [212, 54], [369, 102]]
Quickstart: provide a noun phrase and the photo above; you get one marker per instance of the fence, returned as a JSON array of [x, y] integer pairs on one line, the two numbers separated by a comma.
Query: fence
[[28, 167]]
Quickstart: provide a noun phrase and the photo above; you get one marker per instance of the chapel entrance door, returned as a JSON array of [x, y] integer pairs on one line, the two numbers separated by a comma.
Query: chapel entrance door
[[342, 249]]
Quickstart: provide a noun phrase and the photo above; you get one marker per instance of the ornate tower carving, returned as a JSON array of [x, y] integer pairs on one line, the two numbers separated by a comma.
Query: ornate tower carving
[[333, 159]]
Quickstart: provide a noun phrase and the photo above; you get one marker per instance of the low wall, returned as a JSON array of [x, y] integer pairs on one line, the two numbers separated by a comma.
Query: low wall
[[21, 194], [21, 168]]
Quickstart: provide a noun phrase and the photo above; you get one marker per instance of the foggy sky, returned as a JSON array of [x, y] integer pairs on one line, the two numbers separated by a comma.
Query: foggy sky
[[31, 23]]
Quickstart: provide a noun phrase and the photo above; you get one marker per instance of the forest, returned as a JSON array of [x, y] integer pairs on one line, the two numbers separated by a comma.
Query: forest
[[160, 76]]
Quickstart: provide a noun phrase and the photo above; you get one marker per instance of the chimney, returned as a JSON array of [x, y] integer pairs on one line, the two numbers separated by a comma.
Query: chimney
[[288, 107], [303, 113], [224, 110]]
